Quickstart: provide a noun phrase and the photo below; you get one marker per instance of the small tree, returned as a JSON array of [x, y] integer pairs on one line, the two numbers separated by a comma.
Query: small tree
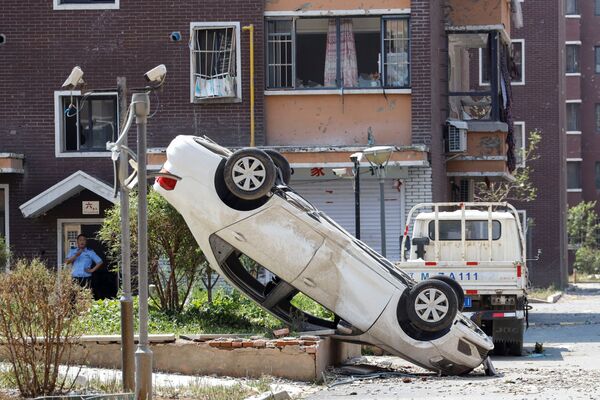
[[582, 226], [521, 188], [39, 325], [175, 260]]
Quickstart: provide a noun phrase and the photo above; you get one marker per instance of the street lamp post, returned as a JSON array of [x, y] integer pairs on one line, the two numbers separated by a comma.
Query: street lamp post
[[356, 158], [378, 157], [143, 354]]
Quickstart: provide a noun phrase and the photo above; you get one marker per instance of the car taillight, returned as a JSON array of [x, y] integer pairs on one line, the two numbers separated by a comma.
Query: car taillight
[[165, 182]]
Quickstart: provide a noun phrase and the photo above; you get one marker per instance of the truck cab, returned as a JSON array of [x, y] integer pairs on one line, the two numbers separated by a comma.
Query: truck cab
[[481, 246]]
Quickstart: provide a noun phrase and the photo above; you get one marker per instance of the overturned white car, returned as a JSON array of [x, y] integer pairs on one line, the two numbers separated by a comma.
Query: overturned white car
[[239, 206]]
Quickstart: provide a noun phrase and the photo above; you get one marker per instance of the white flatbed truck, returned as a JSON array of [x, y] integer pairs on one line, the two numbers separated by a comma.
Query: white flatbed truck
[[482, 247]]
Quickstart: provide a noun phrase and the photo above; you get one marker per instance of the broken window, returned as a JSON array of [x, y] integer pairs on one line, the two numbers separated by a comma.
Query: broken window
[[88, 122], [313, 53], [572, 52], [215, 61], [517, 65], [468, 100]]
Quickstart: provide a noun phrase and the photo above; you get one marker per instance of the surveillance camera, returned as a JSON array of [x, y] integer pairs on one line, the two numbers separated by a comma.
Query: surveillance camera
[[74, 79], [156, 74], [341, 172], [175, 36], [356, 157]]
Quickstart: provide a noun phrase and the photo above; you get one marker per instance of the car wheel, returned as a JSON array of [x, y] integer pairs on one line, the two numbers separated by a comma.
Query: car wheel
[[249, 173], [432, 305], [282, 163], [458, 290]]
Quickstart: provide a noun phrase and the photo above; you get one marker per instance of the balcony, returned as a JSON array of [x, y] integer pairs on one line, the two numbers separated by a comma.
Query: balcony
[[482, 13], [11, 163]]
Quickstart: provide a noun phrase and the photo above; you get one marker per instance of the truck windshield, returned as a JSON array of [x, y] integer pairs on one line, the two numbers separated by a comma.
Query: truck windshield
[[474, 230]]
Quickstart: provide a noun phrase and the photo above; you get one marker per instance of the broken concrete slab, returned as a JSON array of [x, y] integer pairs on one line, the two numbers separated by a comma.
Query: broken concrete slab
[[283, 395]]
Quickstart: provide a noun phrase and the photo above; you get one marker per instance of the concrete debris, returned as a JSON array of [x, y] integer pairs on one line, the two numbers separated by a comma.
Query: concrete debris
[[283, 395]]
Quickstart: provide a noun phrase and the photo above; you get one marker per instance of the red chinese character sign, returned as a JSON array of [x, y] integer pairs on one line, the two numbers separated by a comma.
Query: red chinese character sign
[[317, 172]]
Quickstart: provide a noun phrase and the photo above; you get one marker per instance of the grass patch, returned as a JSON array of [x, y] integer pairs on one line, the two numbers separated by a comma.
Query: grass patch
[[542, 293]]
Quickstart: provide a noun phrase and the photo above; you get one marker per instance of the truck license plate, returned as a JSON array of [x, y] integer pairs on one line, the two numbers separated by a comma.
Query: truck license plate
[[468, 302]]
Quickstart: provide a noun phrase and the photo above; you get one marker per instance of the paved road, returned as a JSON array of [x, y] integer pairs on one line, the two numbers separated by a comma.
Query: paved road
[[568, 369]]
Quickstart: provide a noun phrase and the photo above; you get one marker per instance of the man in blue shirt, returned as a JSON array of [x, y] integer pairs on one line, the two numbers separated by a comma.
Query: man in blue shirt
[[82, 259]]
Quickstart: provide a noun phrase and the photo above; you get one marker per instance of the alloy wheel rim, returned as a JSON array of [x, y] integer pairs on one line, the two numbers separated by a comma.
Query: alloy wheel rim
[[249, 173], [431, 305]]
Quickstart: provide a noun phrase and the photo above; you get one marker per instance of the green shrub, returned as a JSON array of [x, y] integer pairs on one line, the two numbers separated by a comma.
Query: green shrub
[[587, 260], [4, 253], [39, 312]]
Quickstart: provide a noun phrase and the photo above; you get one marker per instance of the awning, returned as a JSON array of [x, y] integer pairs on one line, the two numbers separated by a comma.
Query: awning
[[64, 190]]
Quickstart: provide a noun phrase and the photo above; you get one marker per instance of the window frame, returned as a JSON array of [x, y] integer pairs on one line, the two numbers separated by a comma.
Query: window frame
[[597, 175], [522, 163], [494, 222], [494, 38], [577, 129], [58, 125], [597, 7], [597, 59], [5, 187], [577, 71], [513, 83], [239, 80], [577, 9], [293, 18], [579, 162], [597, 118], [86, 5]]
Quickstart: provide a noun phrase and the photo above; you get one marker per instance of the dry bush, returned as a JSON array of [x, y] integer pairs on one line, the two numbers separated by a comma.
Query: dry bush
[[39, 325]]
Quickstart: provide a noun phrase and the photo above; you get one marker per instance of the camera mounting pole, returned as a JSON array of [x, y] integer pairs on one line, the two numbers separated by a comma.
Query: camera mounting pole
[[127, 341]]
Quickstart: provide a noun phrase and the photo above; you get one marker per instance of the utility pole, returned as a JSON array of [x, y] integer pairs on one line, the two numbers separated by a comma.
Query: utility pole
[[143, 355], [127, 341]]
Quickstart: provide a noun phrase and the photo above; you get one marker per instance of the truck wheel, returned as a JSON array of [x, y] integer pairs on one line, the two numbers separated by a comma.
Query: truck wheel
[[432, 305], [249, 174], [282, 163], [458, 290]]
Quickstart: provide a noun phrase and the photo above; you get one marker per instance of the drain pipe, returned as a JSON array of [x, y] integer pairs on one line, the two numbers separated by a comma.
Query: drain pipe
[[250, 29]]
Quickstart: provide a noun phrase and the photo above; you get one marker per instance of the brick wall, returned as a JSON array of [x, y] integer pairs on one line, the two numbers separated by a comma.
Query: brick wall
[[418, 188], [429, 85], [42, 45], [544, 54]]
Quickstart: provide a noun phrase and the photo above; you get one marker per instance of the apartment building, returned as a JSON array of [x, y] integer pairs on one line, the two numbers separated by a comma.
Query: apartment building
[[332, 78]]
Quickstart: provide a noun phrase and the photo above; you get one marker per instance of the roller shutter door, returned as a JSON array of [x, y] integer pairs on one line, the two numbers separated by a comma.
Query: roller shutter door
[[336, 199]]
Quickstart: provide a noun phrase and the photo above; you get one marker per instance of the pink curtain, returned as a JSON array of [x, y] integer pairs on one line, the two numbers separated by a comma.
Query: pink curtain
[[347, 54], [331, 54]]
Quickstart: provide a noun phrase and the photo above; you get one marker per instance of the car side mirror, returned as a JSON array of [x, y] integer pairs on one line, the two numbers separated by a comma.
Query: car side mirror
[[421, 243]]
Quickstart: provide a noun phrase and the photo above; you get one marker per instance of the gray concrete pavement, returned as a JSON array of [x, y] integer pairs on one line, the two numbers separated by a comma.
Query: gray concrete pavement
[[568, 369]]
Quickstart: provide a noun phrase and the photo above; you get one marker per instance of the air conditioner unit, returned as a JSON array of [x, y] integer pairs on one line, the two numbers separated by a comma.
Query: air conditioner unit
[[457, 136]]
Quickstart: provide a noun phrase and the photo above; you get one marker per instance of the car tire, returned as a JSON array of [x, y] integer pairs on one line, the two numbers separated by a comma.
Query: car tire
[[282, 164], [432, 305], [249, 174], [458, 290]]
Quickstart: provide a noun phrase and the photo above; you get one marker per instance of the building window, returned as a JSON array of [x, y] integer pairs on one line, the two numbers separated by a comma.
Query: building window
[[574, 175], [573, 117], [597, 117], [85, 123], [520, 143], [216, 62], [341, 52], [85, 4], [4, 213], [572, 7], [517, 64], [597, 7], [597, 58], [597, 176], [572, 52], [468, 100]]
